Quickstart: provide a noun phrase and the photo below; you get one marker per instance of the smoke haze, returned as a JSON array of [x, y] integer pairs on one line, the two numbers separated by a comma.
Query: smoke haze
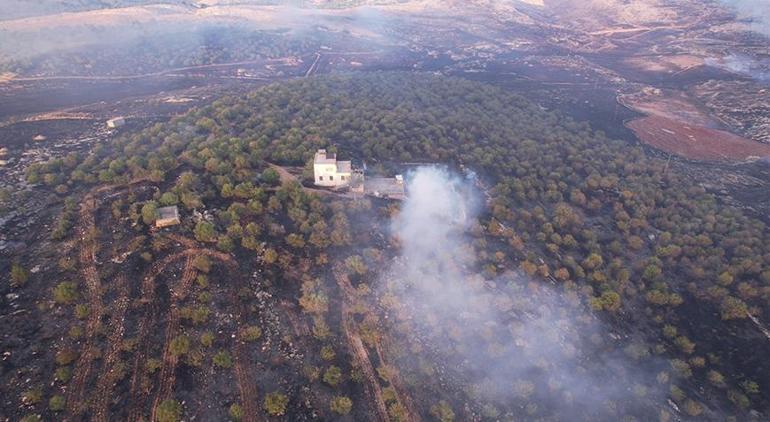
[[756, 10]]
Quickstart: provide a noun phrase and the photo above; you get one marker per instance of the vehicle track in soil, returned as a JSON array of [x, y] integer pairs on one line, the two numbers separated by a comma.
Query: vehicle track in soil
[[87, 233], [170, 360], [246, 385], [110, 372], [140, 377], [394, 376], [362, 356]]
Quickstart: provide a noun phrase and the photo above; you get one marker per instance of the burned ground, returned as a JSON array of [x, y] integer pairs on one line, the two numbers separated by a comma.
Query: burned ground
[[557, 196]]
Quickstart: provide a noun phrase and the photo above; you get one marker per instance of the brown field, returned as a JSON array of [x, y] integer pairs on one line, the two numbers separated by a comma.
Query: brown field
[[695, 142], [670, 105], [661, 63]]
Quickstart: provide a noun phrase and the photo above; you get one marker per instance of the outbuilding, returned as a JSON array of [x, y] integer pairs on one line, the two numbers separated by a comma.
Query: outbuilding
[[167, 216]]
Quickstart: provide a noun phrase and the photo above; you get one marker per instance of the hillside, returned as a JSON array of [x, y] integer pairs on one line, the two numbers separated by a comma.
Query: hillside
[[582, 278]]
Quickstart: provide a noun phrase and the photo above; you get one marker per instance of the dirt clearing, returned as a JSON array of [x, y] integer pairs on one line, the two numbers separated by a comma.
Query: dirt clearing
[[695, 142]]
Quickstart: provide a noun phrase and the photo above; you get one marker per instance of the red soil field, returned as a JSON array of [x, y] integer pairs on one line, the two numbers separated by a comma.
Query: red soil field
[[695, 142]]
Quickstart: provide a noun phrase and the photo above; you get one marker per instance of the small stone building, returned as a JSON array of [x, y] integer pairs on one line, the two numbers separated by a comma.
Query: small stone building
[[116, 122], [167, 216], [328, 172]]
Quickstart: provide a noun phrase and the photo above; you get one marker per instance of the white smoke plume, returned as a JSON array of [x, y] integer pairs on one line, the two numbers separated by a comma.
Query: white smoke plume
[[743, 65], [512, 338]]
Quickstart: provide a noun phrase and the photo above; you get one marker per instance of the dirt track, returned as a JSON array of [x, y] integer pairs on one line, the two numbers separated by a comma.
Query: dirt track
[[87, 233], [362, 356], [140, 377], [170, 360], [110, 372]]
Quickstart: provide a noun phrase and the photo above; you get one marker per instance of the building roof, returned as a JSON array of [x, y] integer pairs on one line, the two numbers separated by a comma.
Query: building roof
[[167, 213], [344, 166], [321, 157]]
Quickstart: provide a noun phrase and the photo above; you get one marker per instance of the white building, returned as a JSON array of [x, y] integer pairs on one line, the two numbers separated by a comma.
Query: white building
[[329, 172], [116, 122]]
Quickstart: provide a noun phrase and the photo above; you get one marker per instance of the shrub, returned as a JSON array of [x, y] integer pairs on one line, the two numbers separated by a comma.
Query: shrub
[[236, 412], [202, 263], [180, 345], [207, 339], [442, 411], [692, 407], [153, 365], [275, 404], [169, 411], [81, 311], [252, 333], [66, 356], [223, 360], [56, 403], [333, 376], [65, 293], [716, 378], [327, 353], [341, 405], [32, 396], [75, 332], [19, 275], [397, 412], [739, 399], [63, 374]]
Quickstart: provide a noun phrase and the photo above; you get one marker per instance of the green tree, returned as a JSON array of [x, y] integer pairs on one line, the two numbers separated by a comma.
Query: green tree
[[204, 232], [150, 212], [168, 199], [733, 308], [355, 265], [270, 177]]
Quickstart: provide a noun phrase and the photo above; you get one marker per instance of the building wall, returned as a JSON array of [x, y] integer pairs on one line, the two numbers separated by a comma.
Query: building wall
[[326, 175]]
